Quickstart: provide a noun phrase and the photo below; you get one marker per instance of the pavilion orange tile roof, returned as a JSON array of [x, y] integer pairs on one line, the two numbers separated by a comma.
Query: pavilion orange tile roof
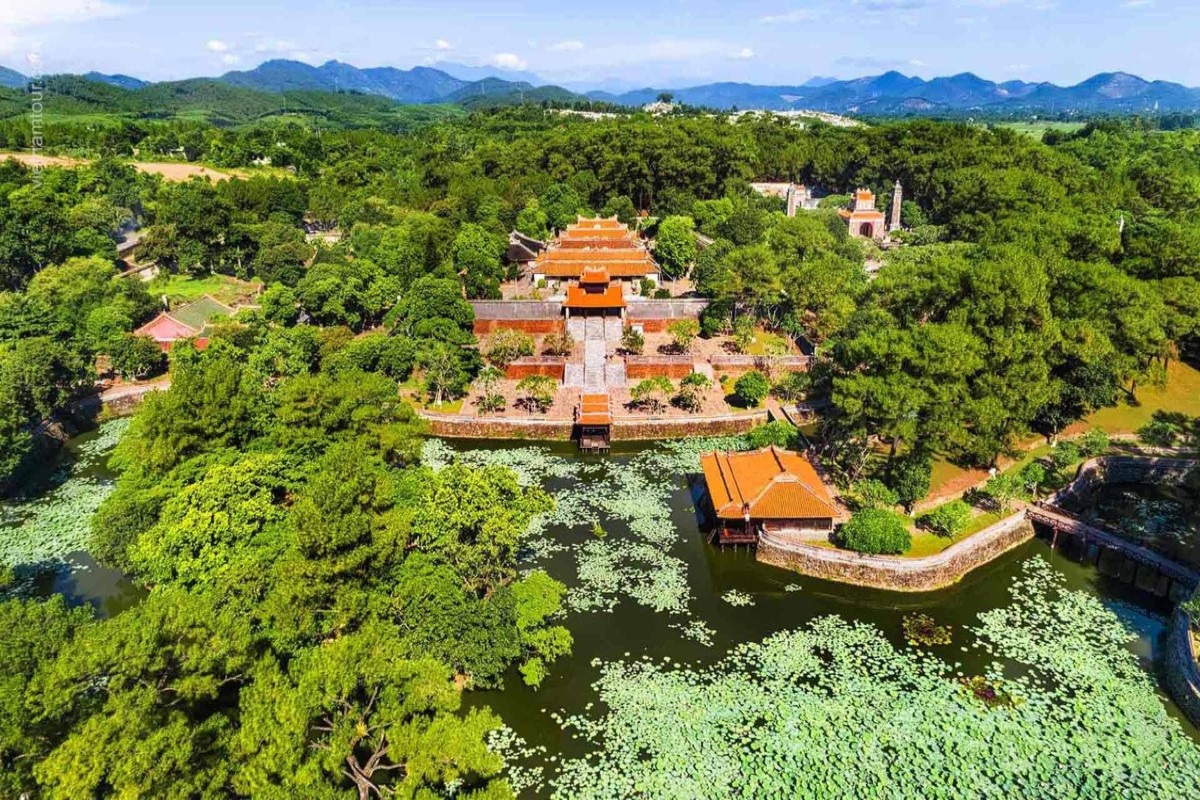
[[611, 297], [594, 409], [766, 484]]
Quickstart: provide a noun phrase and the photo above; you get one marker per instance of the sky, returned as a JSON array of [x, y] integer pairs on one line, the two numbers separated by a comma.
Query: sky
[[662, 43]]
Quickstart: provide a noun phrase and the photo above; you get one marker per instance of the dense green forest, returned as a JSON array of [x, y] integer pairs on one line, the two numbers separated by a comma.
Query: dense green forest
[[317, 596]]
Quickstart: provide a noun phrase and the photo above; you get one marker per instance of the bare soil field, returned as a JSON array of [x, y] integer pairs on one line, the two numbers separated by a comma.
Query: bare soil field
[[170, 170]]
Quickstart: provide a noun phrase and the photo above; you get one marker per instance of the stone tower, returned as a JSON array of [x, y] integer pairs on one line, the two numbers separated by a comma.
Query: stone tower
[[897, 200]]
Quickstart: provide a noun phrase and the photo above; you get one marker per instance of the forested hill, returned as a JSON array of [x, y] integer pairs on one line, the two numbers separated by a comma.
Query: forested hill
[[67, 96], [891, 94]]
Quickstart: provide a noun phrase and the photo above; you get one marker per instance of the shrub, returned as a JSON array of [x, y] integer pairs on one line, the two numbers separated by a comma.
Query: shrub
[[490, 401], [752, 388], [506, 346], [948, 520], [743, 333], [920, 629], [1094, 442], [691, 392], [537, 393], [1159, 433], [876, 531], [683, 333], [136, 356], [1002, 489], [776, 433], [633, 341], [792, 387], [651, 394], [871, 493], [559, 344], [1064, 455], [909, 477]]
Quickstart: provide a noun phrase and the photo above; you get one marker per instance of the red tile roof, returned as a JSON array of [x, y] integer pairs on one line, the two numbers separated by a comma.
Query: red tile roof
[[611, 297], [594, 410], [766, 484], [165, 329], [594, 275]]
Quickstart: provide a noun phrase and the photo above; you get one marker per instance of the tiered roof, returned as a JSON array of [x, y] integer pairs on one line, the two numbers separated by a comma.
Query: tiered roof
[[596, 243], [766, 484]]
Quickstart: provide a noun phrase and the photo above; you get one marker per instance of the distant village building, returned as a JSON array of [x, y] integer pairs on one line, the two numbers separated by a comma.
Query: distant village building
[[770, 492], [186, 322], [862, 218], [796, 196]]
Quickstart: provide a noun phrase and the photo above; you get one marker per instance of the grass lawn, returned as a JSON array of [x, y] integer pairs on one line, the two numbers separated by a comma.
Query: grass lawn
[[1036, 128], [413, 390], [925, 543], [767, 343], [1181, 394], [185, 288]]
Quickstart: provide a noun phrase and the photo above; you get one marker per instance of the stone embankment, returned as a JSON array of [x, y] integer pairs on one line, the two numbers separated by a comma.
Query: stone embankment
[[896, 573], [624, 429]]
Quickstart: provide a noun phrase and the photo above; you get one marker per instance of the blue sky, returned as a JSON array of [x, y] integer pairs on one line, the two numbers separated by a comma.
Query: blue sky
[[660, 43]]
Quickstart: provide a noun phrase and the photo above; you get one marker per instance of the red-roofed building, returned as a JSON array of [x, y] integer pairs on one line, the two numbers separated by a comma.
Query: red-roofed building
[[774, 491], [863, 219], [165, 330]]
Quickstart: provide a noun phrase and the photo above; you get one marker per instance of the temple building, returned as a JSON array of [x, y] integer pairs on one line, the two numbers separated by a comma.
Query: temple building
[[186, 322], [770, 492], [863, 219], [597, 261]]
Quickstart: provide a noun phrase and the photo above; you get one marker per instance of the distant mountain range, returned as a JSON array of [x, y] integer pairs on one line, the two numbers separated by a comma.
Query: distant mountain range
[[889, 94]]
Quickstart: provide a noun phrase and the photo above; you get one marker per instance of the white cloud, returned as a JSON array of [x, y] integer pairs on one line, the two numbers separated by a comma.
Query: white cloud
[[217, 46], [569, 46], [442, 44], [274, 46], [787, 17], [744, 53], [230, 59], [916, 62], [17, 16], [1139, 3], [510, 61]]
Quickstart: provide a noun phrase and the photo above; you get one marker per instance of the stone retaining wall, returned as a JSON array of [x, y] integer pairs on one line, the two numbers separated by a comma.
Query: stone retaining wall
[[462, 426], [550, 366], [650, 428], [900, 574], [1094, 473], [1180, 673], [457, 426]]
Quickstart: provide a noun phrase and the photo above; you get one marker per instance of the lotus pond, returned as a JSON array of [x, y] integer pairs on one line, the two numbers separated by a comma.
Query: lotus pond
[[698, 672]]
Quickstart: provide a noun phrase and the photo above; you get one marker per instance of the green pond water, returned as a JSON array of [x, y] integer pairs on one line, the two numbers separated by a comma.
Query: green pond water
[[652, 588]]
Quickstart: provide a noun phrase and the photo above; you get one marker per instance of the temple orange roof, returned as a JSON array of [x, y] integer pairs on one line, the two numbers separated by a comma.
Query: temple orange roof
[[611, 297], [597, 274], [766, 484], [594, 410]]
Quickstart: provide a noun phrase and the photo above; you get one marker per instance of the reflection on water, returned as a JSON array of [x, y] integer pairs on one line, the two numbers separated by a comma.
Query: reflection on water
[[44, 534], [632, 630]]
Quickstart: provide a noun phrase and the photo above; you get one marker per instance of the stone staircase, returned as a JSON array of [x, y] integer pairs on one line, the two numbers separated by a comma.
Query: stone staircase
[[594, 358], [573, 376]]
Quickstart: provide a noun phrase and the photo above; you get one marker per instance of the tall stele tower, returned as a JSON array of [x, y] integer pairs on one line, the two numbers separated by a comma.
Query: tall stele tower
[[897, 200]]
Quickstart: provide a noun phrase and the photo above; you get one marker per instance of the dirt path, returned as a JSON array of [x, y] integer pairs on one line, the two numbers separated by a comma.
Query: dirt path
[[172, 171]]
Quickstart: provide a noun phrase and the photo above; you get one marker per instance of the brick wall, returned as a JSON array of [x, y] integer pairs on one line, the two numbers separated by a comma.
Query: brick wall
[[524, 367], [534, 327], [736, 366], [674, 367]]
